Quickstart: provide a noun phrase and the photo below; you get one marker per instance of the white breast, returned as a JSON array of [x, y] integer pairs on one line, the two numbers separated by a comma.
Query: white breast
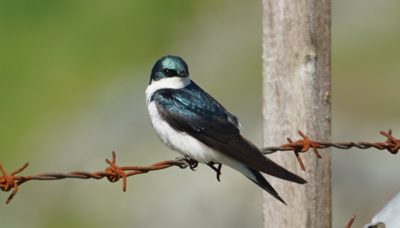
[[180, 141]]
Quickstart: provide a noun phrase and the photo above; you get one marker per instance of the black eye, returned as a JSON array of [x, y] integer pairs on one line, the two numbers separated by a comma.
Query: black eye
[[170, 72]]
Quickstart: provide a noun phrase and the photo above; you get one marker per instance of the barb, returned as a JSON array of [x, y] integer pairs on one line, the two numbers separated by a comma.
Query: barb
[[303, 145], [114, 173], [351, 221]]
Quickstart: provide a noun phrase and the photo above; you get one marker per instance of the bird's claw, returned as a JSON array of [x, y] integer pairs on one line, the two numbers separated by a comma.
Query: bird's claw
[[217, 169], [191, 163]]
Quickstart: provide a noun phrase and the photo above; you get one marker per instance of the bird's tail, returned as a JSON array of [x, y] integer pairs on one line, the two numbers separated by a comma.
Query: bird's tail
[[278, 171], [254, 176], [260, 180]]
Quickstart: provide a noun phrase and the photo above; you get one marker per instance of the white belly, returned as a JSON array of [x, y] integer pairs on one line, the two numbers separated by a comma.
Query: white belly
[[180, 141]]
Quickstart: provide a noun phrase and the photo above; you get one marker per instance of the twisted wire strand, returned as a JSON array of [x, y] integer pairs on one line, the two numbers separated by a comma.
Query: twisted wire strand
[[114, 173]]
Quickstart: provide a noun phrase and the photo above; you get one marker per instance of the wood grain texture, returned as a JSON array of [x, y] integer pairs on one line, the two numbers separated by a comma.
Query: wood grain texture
[[296, 69]]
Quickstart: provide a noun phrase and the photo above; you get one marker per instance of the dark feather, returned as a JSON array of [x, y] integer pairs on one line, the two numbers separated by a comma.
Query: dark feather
[[264, 184]]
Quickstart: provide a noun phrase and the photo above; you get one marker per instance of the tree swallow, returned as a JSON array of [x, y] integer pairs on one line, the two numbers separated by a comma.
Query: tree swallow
[[188, 120]]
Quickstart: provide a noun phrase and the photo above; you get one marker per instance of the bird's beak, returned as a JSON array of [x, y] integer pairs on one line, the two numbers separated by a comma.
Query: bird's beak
[[181, 74]]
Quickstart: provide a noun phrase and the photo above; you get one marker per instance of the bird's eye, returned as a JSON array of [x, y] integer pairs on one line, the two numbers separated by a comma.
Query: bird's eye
[[170, 72]]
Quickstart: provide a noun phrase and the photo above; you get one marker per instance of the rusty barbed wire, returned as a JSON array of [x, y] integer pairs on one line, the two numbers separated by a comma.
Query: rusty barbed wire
[[114, 173], [303, 145]]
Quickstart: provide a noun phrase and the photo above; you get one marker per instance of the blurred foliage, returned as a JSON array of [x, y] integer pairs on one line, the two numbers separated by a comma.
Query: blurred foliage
[[365, 57], [54, 53], [72, 77]]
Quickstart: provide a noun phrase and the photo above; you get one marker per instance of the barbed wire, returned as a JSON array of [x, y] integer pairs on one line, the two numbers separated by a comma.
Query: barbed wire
[[114, 173], [303, 145]]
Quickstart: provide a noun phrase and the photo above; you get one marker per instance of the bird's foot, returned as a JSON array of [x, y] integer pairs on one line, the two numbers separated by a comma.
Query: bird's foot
[[216, 168], [191, 163]]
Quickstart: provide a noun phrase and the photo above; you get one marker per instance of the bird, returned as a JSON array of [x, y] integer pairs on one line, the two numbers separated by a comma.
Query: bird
[[191, 122]]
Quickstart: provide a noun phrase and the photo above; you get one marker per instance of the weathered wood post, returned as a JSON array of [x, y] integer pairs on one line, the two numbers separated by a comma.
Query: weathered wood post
[[296, 69]]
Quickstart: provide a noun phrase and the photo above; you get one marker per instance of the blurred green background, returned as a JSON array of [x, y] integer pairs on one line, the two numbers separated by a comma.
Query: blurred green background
[[72, 81]]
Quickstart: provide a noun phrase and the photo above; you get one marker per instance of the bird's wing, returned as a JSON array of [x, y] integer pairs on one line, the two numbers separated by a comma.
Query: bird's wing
[[202, 117]]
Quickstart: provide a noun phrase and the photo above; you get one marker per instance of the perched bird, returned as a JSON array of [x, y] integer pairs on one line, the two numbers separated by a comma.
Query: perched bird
[[188, 120]]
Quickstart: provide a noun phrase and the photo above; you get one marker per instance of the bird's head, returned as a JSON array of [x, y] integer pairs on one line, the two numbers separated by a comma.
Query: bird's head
[[168, 67]]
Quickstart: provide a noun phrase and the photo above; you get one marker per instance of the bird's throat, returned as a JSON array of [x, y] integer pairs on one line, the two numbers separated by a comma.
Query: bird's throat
[[166, 83]]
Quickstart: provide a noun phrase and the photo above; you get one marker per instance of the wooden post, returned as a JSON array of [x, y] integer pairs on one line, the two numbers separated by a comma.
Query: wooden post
[[296, 69]]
